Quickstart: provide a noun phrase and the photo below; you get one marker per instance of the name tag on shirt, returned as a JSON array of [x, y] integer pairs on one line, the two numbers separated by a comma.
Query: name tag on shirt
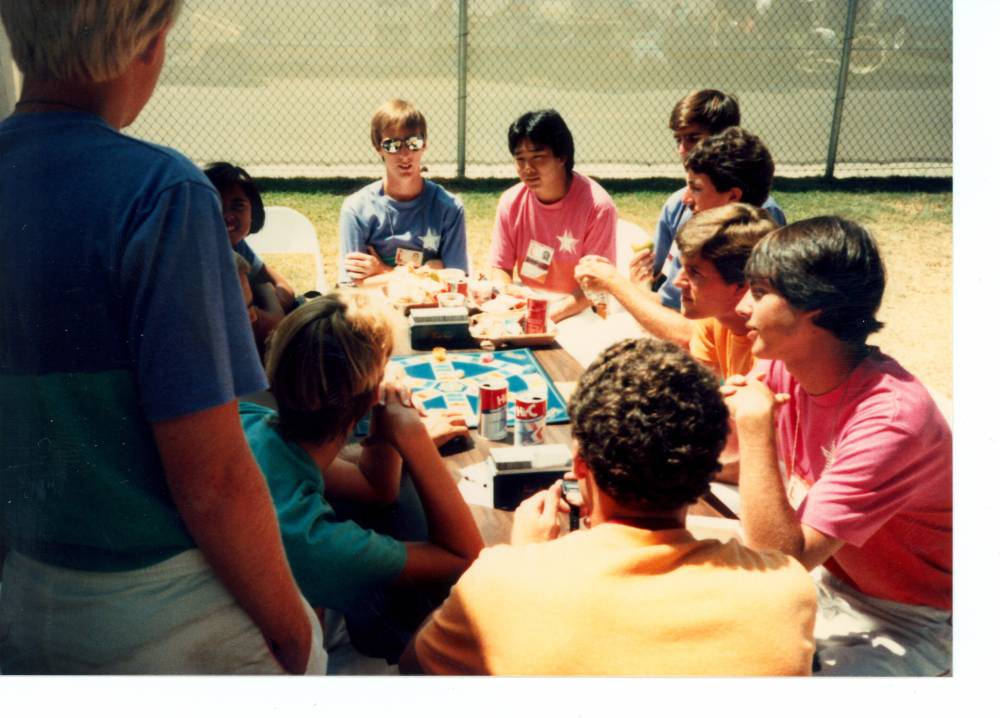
[[796, 491], [409, 257], [536, 263]]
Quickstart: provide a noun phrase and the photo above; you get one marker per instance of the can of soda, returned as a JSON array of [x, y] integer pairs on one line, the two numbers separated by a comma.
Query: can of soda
[[529, 418], [493, 410], [535, 315], [459, 286]]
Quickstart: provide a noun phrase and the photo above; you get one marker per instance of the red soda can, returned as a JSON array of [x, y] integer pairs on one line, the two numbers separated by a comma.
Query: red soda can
[[460, 286], [493, 410], [529, 418], [535, 315]]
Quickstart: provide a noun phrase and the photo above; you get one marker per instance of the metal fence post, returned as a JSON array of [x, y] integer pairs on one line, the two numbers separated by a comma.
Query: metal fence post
[[463, 46], [838, 102]]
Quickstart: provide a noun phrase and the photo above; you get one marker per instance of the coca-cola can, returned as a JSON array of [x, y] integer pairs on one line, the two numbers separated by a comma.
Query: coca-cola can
[[459, 286], [493, 410], [529, 418], [535, 315]]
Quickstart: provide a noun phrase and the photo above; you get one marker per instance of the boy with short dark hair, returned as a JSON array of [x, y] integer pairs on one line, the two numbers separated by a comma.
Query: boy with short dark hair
[[142, 538], [845, 461], [555, 216], [696, 116]]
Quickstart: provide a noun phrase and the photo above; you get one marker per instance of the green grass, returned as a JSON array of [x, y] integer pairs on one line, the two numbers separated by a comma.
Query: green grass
[[911, 219], [879, 204]]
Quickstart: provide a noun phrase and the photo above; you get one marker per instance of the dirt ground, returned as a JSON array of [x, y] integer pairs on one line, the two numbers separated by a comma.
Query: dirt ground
[[917, 307], [914, 233]]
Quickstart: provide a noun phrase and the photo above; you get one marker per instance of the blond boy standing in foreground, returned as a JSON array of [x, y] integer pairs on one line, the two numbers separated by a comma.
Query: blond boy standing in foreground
[[142, 538]]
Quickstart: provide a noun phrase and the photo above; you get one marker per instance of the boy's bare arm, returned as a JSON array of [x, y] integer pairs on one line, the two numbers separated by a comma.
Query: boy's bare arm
[[267, 308], [454, 538], [283, 290], [660, 321], [226, 506], [569, 306], [501, 276], [371, 476]]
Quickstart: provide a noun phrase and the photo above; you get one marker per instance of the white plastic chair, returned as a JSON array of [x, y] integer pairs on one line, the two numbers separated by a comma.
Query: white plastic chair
[[288, 231], [626, 234]]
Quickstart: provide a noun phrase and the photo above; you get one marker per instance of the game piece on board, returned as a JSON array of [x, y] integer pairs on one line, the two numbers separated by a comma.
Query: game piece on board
[[439, 353]]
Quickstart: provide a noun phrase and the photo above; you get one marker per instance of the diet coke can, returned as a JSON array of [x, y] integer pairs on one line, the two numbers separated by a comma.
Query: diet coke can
[[493, 410], [535, 315], [529, 418]]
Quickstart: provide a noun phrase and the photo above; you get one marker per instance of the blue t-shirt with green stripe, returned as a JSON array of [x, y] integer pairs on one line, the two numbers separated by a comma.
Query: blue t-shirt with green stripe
[[119, 307]]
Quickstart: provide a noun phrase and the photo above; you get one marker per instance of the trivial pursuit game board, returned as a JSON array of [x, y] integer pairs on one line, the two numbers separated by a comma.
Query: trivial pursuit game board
[[454, 382]]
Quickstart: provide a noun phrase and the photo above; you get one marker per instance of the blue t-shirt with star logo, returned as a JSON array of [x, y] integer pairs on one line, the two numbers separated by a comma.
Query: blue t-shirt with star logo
[[433, 223]]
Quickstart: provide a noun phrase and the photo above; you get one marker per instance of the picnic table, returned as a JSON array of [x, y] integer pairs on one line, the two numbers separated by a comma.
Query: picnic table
[[564, 370]]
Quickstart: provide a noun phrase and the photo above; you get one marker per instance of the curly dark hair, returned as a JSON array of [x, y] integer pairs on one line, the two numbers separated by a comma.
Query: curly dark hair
[[650, 423]]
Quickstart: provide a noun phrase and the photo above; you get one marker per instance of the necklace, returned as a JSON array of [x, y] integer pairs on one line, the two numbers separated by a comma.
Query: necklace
[[790, 458], [51, 103], [857, 359]]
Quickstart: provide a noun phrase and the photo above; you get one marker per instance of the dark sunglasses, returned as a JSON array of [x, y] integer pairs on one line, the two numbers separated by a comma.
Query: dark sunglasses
[[392, 145]]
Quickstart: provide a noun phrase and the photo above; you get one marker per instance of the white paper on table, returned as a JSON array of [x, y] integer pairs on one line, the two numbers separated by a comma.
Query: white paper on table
[[565, 388], [585, 335], [714, 527], [476, 485], [729, 494]]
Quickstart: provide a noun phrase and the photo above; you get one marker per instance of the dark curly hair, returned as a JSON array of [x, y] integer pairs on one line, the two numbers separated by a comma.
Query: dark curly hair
[[650, 423], [734, 158], [826, 263]]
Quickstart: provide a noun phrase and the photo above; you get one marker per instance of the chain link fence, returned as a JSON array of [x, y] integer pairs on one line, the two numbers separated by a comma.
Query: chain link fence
[[288, 88]]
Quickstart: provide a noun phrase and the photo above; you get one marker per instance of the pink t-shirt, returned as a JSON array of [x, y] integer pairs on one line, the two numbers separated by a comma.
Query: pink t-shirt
[[874, 459], [545, 241]]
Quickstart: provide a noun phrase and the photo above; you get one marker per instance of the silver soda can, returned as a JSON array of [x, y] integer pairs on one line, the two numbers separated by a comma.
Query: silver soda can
[[529, 418], [493, 410]]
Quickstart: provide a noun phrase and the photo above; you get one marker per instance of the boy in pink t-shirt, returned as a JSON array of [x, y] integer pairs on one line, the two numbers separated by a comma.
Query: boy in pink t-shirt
[[845, 461], [553, 218]]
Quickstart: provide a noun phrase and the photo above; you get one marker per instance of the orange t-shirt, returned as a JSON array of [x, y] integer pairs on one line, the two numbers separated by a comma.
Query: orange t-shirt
[[718, 348], [622, 600]]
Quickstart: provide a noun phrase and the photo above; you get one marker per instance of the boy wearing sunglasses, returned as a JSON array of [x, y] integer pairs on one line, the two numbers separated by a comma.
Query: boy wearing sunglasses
[[402, 218]]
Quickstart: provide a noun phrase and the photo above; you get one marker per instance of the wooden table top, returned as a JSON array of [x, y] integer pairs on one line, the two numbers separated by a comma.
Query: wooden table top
[[564, 371]]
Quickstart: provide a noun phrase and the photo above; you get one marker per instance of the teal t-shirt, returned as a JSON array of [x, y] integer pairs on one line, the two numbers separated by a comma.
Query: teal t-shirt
[[335, 562]]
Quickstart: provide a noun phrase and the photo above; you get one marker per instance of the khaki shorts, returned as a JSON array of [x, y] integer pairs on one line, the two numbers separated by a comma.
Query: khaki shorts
[[858, 635], [175, 617]]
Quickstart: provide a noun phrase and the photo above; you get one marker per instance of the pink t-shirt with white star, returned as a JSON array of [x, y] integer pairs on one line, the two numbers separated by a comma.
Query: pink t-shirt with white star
[[543, 242]]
